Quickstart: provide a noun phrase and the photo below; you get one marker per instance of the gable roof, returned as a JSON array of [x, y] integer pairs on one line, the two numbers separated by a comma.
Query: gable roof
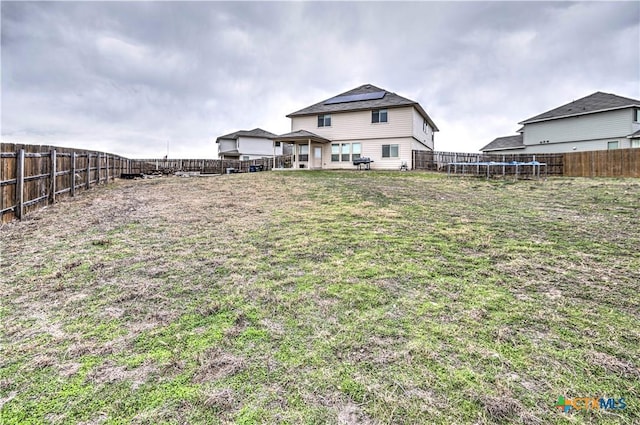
[[508, 142], [372, 97], [300, 135], [596, 102], [256, 132]]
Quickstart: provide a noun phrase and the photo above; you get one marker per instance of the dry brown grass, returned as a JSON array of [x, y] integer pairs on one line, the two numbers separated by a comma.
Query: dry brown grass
[[350, 298]]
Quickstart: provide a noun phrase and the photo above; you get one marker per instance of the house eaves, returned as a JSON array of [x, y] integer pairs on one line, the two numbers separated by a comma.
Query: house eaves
[[595, 103], [300, 136], [388, 101], [256, 132]]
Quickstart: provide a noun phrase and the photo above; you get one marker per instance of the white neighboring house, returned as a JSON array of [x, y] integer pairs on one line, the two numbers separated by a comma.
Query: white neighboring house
[[597, 122], [366, 122], [246, 145]]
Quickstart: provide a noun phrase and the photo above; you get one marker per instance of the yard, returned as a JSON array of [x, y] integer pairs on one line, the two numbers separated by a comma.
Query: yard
[[324, 297]]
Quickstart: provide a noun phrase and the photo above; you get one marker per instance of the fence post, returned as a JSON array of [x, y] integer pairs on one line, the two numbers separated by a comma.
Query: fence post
[[106, 157], [20, 184], [88, 183], [52, 186], [73, 174], [99, 168]]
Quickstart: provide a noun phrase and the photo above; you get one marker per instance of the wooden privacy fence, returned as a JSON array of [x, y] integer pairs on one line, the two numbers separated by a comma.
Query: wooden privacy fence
[[207, 166], [437, 161], [611, 163], [32, 176]]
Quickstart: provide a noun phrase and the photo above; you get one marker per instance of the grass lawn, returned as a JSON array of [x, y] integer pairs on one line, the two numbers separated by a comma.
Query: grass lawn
[[324, 297]]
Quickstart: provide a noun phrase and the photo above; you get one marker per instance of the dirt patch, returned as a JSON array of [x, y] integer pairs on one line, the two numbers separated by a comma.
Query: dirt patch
[[501, 409], [222, 398], [613, 364], [351, 414], [109, 373], [215, 364]]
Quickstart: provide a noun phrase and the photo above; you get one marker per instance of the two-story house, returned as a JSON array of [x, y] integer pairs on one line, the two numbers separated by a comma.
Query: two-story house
[[364, 122], [597, 122], [245, 145]]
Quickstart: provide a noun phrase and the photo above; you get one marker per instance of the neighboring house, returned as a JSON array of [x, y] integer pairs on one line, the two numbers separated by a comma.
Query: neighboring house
[[245, 145], [597, 122], [367, 122]]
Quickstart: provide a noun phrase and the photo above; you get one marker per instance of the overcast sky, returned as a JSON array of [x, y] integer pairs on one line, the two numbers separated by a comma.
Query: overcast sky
[[132, 77]]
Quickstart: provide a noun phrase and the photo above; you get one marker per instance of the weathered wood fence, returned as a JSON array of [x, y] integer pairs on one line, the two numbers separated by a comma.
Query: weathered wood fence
[[437, 161], [207, 166], [611, 163], [32, 176]]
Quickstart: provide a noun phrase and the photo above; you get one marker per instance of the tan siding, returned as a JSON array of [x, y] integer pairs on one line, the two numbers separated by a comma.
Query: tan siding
[[419, 133], [373, 149], [357, 125]]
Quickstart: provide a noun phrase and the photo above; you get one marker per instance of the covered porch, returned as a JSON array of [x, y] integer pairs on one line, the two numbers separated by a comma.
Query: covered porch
[[307, 149]]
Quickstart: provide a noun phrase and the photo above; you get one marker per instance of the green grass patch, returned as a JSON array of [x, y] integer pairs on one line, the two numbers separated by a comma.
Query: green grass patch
[[324, 297]]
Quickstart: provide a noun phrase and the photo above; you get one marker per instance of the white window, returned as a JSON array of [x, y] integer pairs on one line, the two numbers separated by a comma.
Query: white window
[[304, 152], [390, 151], [335, 152], [245, 157], [636, 115], [635, 143], [356, 151], [613, 145], [379, 115], [324, 120], [277, 144], [345, 151], [425, 126]]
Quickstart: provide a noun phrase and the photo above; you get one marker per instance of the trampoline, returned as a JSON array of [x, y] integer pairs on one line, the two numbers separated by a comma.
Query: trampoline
[[515, 165]]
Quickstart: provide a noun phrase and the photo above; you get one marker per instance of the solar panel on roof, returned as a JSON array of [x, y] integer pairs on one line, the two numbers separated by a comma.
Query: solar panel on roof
[[356, 97]]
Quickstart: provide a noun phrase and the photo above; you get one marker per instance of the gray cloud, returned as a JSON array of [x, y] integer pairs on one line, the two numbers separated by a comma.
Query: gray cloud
[[127, 77]]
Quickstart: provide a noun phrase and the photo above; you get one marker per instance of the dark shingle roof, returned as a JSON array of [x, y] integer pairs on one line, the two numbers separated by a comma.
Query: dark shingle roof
[[595, 102], [256, 132], [300, 135], [389, 100], [502, 143]]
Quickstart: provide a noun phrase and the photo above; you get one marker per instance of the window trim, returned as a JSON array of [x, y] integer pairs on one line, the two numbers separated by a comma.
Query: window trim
[[617, 146], [344, 152], [335, 157], [376, 115], [389, 147], [326, 120], [353, 154], [302, 156]]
